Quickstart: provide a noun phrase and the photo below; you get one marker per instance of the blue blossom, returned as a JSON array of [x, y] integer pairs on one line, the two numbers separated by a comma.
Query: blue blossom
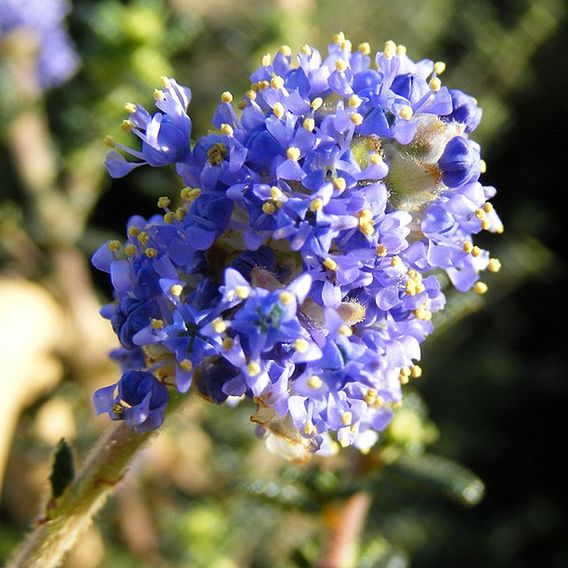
[[42, 20], [300, 266]]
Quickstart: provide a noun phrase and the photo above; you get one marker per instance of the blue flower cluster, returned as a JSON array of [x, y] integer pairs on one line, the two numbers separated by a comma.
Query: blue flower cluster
[[299, 266], [42, 19]]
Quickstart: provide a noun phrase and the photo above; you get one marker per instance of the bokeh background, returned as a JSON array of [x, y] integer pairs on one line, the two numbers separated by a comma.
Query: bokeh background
[[206, 493]]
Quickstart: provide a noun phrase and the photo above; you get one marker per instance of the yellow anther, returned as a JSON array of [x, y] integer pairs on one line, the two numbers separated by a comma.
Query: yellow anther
[[189, 194], [316, 204], [480, 287], [314, 382], [180, 213], [293, 153], [268, 208], [375, 158], [401, 49], [114, 246], [242, 292], [439, 67], [169, 217], [346, 46], [396, 260], [309, 428], [143, 238], [371, 396], [381, 250], [309, 124], [494, 265], [151, 252], [480, 214], [276, 193], [226, 129], [406, 112], [364, 48], [500, 229], [435, 84], [130, 108], [340, 65], [228, 343], [403, 379], [482, 166], [301, 345], [285, 297], [219, 325], [127, 125], [186, 365], [266, 60], [338, 38], [340, 184], [285, 50], [130, 250], [176, 290], [157, 324], [475, 251], [467, 246], [415, 371], [278, 110], [357, 118], [346, 418], [410, 288], [316, 103], [354, 101], [488, 207], [390, 49], [227, 97], [345, 330], [330, 264], [423, 313], [276, 82], [159, 95], [365, 215], [108, 141], [164, 202], [306, 49]]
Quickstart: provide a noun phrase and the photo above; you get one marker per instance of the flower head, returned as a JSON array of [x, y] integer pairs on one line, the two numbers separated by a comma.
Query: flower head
[[299, 268]]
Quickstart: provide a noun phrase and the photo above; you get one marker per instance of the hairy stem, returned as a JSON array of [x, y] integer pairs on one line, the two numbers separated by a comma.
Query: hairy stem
[[70, 514]]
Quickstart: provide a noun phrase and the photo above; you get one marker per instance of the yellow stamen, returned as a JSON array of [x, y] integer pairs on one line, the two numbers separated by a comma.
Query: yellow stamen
[[219, 325], [346, 418], [130, 108], [354, 101], [480, 287], [381, 250], [228, 343], [130, 250], [169, 217], [316, 204], [309, 124], [114, 246], [266, 60], [316, 103], [357, 118], [340, 65], [253, 368], [268, 207], [164, 202], [275, 193], [227, 97], [157, 324], [406, 112], [127, 125], [151, 252], [494, 265], [250, 94], [401, 49], [375, 158], [330, 264], [285, 51], [276, 82], [338, 38], [435, 84], [415, 371], [345, 330], [186, 365], [176, 290], [467, 246], [364, 48], [159, 95], [439, 67], [293, 153], [306, 49], [390, 49], [314, 382], [108, 141], [340, 184], [285, 298], [482, 166], [278, 110], [242, 292], [301, 345], [226, 129]]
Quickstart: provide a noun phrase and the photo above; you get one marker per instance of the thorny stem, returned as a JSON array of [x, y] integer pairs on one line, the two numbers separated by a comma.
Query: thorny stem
[[73, 512]]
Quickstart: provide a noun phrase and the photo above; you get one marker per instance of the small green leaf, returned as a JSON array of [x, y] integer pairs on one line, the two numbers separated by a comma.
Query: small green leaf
[[439, 475], [62, 470]]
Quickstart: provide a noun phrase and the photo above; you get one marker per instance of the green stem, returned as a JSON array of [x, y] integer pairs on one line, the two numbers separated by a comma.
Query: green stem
[[74, 510]]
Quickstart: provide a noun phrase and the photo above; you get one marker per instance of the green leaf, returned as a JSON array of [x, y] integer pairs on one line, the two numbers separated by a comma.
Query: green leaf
[[62, 470], [438, 475]]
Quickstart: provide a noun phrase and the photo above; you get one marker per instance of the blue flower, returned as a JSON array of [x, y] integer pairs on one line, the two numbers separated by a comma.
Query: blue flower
[[300, 266], [138, 398]]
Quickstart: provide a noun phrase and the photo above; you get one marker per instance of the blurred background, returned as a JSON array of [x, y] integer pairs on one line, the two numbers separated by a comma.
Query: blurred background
[[206, 493]]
